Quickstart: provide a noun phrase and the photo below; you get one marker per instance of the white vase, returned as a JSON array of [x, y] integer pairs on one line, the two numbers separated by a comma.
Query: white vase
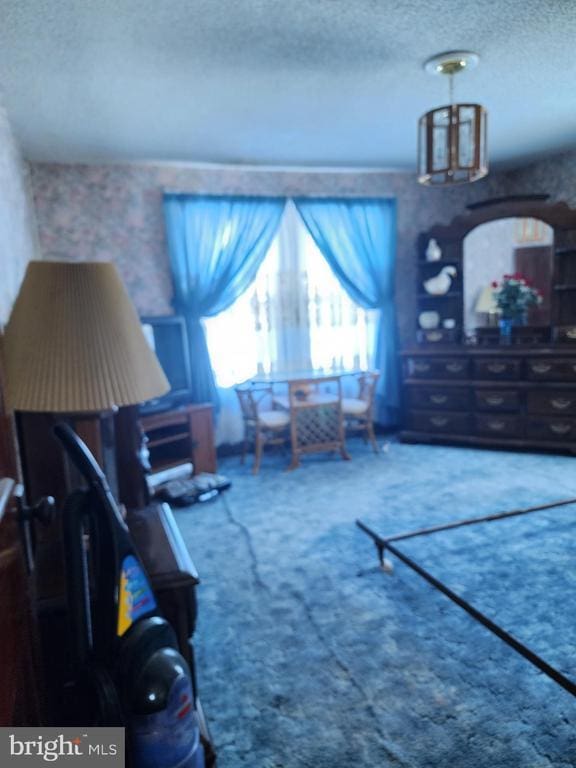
[[433, 251]]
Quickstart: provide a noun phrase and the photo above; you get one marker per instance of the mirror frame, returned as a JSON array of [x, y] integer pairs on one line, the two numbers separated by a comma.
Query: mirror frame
[[450, 237]]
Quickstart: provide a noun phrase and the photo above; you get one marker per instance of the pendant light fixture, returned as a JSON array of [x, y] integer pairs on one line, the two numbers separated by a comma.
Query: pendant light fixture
[[452, 139]]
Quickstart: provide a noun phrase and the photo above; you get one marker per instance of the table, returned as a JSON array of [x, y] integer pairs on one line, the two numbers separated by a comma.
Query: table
[[319, 375], [316, 422]]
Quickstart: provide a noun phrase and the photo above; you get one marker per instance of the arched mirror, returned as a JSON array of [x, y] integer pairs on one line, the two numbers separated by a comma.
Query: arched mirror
[[459, 262], [522, 246]]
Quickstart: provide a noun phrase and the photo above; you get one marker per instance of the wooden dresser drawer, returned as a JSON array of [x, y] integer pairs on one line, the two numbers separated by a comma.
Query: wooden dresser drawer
[[552, 429], [447, 399], [496, 400], [496, 368], [566, 334], [550, 401], [454, 423], [437, 367], [551, 369], [499, 425]]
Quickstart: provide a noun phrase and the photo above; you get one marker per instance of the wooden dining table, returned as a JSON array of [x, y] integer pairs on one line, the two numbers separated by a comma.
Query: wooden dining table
[[314, 401], [319, 374]]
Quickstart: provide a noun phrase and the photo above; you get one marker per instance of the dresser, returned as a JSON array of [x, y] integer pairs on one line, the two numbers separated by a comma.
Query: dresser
[[516, 398], [464, 382]]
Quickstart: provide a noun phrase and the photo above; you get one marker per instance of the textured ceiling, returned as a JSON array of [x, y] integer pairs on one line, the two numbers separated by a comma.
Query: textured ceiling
[[279, 82]]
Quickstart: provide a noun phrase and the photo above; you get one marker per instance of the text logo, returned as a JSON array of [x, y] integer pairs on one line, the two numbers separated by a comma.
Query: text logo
[[31, 747]]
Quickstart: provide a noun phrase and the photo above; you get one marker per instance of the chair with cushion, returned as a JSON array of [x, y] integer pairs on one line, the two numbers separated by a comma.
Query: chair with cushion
[[262, 425], [316, 422], [357, 411]]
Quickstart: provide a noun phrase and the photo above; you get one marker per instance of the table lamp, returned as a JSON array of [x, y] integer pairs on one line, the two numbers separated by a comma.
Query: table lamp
[[486, 305], [74, 345]]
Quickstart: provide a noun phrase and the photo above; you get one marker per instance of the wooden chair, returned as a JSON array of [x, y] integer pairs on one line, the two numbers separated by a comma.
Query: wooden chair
[[316, 422], [357, 411], [261, 426]]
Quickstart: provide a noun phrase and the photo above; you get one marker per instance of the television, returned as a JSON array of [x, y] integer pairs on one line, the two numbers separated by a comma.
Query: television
[[168, 338]]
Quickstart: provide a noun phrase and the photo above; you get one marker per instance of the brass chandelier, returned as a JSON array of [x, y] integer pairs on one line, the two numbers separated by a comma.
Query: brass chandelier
[[452, 138]]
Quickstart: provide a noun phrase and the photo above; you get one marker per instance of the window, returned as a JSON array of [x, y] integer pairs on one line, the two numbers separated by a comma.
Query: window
[[294, 317]]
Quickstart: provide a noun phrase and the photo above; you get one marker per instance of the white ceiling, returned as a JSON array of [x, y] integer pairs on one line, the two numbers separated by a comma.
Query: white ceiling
[[279, 82]]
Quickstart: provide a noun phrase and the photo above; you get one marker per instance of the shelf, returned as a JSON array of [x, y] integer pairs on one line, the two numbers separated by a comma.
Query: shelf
[[444, 262], [166, 440], [181, 435], [449, 295]]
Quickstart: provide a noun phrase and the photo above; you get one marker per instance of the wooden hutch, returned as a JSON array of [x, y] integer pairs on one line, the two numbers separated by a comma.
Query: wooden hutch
[[474, 390]]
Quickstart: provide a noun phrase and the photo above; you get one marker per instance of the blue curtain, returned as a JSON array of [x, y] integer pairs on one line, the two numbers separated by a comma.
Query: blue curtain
[[358, 239], [216, 245]]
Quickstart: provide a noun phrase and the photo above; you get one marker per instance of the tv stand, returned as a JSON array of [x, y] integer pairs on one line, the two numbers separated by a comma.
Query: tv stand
[[181, 434]]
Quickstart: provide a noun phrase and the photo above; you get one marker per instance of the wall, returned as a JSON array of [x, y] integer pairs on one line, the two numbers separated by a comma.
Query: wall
[[17, 233], [98, 212], [554, 175]]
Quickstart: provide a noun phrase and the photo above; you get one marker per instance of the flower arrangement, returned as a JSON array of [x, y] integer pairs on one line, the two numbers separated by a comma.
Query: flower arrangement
[[513, 295]]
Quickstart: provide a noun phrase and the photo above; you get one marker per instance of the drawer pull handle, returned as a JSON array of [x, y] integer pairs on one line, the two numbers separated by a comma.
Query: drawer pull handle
[[571, 333], [494, 400], [496, 426], [560, 429], [542, 367], [434, 336], [438, 421], [421, 367], [560, 403], [454, 367], [496, 367], [438, 399]]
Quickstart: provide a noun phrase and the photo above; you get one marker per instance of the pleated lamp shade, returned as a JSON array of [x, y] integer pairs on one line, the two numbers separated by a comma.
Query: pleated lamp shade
[[74, 343]]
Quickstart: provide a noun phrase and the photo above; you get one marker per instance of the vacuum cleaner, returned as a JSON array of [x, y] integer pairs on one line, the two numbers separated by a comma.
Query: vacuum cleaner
[[126, 668]]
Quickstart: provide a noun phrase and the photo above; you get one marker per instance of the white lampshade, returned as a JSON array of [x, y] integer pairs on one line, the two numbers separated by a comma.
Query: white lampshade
[[486, 301], [74, 342]]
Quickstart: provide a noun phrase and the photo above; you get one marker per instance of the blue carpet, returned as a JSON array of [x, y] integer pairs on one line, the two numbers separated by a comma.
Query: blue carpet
[[303, 663]]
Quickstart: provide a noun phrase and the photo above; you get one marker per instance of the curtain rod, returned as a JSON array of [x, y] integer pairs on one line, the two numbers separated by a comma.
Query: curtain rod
[[286, 196]]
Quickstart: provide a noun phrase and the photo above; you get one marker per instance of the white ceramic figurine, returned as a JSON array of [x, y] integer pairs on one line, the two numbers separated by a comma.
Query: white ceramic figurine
[[440, 284], [433, 252]]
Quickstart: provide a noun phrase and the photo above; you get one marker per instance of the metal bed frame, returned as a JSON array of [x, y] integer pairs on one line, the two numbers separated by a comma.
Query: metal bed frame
[[388, 544]]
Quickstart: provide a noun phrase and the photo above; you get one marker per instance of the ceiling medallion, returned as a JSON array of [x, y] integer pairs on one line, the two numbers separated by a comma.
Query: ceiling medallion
[[452, 138]]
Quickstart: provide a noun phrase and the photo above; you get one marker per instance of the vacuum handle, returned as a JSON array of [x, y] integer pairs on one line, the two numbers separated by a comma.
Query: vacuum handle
[[88, 467], [81, 457]]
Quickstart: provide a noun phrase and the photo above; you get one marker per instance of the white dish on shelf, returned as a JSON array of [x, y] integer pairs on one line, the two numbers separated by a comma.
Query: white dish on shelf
[[429, 320]]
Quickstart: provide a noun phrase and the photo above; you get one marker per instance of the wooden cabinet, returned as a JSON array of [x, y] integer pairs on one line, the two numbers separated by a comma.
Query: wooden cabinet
[[180, 435], [510, 397], [471, 388]]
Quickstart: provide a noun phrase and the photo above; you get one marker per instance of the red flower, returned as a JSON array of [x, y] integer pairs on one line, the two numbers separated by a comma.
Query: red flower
[[494, 284]]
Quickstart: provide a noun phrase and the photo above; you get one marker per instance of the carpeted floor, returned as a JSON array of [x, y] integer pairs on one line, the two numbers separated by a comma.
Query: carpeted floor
[[303, 663]]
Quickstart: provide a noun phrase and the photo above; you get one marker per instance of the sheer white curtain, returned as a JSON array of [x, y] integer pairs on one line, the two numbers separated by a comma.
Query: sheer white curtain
[[294, 317]]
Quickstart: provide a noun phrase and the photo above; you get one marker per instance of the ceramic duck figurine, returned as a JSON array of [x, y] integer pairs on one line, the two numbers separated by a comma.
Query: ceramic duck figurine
[[440, 284]]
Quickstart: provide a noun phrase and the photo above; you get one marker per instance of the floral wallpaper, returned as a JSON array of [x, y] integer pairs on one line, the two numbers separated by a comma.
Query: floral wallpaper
[[17, 234], [114, 212]]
